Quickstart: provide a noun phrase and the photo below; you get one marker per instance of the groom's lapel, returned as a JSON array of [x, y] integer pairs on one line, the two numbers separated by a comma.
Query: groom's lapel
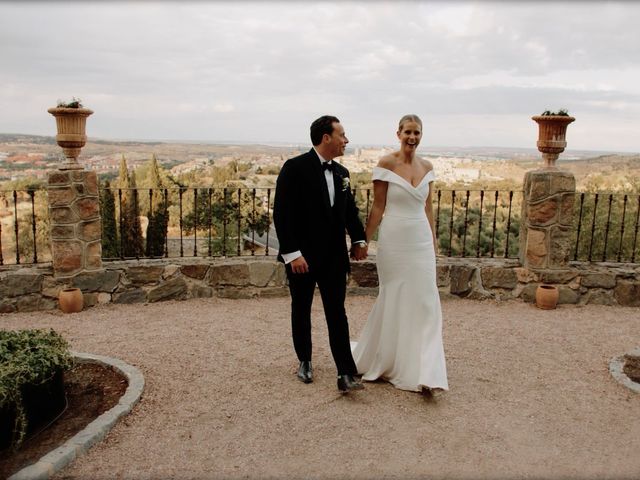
[[318, 173]]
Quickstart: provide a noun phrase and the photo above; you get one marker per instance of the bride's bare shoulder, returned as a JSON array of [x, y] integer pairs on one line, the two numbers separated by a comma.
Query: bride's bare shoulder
[[426, 164], [388, 161]]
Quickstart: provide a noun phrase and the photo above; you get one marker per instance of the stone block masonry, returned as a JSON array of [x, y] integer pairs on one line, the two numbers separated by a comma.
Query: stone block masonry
[[547, 216], [74, 210], [24, 288]]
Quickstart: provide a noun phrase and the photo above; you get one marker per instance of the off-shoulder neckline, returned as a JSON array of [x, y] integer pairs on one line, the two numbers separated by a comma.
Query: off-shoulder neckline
[[404, 179]]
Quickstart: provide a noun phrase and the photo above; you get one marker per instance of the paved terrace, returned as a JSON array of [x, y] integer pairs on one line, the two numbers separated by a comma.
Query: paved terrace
[[531, 396]]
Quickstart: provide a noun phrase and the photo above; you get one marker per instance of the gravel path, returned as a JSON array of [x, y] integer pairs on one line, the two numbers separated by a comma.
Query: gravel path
[[531, 396]]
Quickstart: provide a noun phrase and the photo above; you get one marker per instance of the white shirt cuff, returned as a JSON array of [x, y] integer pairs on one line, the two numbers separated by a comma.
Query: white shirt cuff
[[290, 257]]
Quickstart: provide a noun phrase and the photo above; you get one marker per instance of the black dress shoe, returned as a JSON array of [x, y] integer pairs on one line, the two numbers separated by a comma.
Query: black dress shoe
[[305, 372], [347, 382]]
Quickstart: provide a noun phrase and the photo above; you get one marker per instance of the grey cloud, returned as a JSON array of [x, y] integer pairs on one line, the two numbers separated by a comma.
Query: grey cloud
[[280, 63]]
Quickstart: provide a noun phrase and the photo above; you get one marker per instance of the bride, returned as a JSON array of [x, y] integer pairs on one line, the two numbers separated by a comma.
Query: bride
[[402, 339]]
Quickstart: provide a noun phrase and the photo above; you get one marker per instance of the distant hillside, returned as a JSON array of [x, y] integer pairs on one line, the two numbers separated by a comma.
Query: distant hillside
[[124, 143], [628, 159], [45, 140], [30, 156], [606, 172], [26, 139]]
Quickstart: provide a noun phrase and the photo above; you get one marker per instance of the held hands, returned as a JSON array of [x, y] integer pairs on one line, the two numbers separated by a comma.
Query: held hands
[[359, 252]]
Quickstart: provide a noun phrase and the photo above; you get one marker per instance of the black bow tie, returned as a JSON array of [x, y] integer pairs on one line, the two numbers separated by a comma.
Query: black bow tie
[[327, 166]]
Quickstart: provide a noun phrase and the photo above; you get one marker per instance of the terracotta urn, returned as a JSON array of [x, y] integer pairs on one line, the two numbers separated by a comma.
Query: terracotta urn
[[552, 131], [547, 297], [71, 300], [71, 123]]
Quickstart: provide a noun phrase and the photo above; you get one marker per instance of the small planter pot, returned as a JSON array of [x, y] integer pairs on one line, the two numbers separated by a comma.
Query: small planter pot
[[71, 300], [547, 297]]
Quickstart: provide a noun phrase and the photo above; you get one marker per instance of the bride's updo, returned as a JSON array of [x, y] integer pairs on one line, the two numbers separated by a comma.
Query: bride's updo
[[409, 118]]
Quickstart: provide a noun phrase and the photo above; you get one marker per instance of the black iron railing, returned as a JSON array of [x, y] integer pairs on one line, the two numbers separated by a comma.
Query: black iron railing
[[232, 221], [237, 221], [478, 223], [470, 223], [24, 227], [606, 227], [191, 222]]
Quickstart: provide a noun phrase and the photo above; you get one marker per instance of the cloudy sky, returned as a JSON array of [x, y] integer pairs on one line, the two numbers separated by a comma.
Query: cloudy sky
[[262, 71]]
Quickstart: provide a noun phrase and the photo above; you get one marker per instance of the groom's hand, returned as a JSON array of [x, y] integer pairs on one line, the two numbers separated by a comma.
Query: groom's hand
[[358, 252], [299, 265]]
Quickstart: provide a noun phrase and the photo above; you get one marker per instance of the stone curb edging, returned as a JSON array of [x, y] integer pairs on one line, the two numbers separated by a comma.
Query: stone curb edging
[[616, 366], [60, 457]]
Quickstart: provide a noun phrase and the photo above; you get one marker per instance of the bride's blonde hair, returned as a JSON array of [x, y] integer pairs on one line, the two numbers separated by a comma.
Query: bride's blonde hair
[[409, 118]]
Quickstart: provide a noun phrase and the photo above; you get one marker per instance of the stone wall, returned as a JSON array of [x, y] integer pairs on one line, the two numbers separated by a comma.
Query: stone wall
[[36, 288], [76, 229], [547, 216]]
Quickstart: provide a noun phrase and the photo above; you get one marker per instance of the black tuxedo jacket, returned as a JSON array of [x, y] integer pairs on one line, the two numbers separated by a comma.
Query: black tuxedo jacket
[[304, 218]]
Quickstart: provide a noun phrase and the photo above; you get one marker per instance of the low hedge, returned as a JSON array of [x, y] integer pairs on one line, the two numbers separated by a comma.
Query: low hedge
[[27, 358]]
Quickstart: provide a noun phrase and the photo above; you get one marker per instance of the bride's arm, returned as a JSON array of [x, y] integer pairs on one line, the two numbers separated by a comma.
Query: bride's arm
[[428, 209], [379, 202]]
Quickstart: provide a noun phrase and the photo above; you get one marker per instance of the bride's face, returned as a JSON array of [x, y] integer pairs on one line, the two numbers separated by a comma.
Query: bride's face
[[410, 135]]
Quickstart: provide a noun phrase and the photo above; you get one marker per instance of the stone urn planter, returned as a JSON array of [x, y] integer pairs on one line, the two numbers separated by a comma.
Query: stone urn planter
[[71, 119], [547, 297], [552, 130], [71, 300]]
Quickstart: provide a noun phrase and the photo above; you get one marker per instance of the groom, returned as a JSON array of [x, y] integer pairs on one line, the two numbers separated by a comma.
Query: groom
[[313, 208]]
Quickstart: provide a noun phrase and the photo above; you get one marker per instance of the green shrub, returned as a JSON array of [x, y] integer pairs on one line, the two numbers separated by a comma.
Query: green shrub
[[28, 357], [560, 113], [74, 103]]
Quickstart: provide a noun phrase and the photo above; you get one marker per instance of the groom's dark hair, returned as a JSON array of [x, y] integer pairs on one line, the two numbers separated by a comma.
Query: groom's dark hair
[[321, 126]]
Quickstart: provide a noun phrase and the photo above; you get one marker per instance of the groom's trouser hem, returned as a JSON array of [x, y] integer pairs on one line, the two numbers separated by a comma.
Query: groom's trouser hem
[[332, 290]]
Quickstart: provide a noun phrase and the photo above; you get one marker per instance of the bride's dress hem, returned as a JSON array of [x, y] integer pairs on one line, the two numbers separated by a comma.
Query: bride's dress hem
[[417, 389]]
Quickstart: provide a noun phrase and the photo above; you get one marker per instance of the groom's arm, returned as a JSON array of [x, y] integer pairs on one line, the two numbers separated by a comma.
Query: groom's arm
[[284, 209], [352, 218], [354, 227]]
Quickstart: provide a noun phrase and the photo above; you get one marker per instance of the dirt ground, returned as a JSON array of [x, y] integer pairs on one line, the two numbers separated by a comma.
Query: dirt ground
[[531, 396]]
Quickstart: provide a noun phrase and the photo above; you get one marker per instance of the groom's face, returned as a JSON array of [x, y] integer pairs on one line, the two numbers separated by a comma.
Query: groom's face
[[337, 140]]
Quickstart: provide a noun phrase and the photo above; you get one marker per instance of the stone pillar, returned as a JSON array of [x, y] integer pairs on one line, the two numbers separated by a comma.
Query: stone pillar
[[547, 216], [74, 211]]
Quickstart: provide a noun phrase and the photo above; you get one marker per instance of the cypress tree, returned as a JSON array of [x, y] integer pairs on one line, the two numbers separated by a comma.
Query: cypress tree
[[135, 243], [123, 204], [158, 214], [131, 233], [109, 228]]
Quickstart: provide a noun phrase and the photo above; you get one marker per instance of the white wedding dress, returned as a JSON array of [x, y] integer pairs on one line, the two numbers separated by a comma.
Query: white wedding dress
[[402, 339]]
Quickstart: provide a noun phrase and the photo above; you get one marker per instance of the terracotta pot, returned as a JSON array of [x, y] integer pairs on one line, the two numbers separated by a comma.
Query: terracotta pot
[[547, 297], [71, 123], [552, 130], [71, 300]]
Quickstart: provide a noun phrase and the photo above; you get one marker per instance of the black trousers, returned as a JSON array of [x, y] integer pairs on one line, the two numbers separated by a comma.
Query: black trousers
[[332, 283]]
